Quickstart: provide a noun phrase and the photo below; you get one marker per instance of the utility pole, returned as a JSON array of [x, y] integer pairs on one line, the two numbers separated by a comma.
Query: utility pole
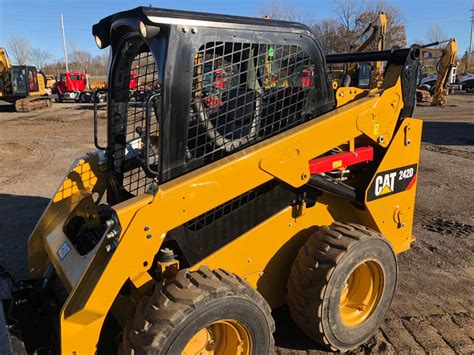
[[468, 57], [64, 42]]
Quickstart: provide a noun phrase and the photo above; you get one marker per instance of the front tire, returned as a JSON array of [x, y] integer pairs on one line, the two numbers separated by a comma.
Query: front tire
[[200, 312], [341, 285]]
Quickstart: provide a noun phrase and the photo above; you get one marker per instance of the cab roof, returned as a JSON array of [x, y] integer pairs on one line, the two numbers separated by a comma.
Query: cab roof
[[157, 16]]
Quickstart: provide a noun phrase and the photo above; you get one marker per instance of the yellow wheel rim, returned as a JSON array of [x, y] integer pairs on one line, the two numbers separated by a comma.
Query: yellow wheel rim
[[220, 337], [361, 293]]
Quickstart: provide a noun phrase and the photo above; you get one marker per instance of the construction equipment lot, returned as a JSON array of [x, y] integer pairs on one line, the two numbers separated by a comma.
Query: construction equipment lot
[[433, 308]]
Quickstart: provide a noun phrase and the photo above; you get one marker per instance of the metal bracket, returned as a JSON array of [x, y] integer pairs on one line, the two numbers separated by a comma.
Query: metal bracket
[[407, 135], [288, 165], [398, 217]]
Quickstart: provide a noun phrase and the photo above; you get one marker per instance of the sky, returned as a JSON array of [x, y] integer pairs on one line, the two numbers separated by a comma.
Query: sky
[[39, 20]]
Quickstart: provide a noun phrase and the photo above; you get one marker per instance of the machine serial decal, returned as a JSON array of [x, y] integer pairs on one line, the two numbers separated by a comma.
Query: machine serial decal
[[392, 181], [63, 250]]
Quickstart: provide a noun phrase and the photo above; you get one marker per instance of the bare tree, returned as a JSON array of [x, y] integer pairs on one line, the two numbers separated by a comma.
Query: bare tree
[[104, 59], [20, 49], [328, 32], [279, 10], [436, 34], [347, 12], [80, 58], [40, 58], [395, 35]]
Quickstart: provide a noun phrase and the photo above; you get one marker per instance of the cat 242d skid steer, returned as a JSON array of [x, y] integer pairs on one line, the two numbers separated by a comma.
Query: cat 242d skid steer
[[240, 181]]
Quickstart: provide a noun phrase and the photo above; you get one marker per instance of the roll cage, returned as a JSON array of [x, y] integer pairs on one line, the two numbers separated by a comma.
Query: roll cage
[[209, 85], [277, 64]]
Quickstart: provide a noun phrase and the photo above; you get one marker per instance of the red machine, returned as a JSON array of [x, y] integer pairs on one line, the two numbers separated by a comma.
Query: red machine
[[72, 81], [71, 85], [75, 86]]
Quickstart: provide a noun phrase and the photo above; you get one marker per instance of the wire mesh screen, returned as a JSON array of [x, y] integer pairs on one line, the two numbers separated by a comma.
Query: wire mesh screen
[[130, 133], [243, 93]]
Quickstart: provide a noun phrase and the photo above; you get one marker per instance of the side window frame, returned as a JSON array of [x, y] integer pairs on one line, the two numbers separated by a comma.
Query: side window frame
[[175, 124], [118, 110]]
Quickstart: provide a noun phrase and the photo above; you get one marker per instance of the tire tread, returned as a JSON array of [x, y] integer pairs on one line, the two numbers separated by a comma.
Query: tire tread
[[306, 290], [157, 316]]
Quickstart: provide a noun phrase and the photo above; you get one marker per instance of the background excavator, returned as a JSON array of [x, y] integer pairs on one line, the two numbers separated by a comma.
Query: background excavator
[[443, 69], [22, 85], [366, 75]]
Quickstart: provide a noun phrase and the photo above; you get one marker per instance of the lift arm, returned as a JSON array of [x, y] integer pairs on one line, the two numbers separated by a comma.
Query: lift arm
[[444, 67]]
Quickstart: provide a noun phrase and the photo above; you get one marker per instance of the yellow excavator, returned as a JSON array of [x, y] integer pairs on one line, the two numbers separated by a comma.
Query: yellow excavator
[[22, 85], [443, 69], [365, 75], [219, 197]]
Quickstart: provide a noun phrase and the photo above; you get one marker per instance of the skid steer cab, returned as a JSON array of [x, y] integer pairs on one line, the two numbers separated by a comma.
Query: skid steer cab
[[238, 182]]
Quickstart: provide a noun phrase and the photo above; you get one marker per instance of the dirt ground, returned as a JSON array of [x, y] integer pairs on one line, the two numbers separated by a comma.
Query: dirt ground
[[433, 309]]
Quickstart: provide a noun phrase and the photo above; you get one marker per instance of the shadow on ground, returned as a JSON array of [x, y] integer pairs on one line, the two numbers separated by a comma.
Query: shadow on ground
[[6, 107], [18, 217], [448, 133], [288, 335]]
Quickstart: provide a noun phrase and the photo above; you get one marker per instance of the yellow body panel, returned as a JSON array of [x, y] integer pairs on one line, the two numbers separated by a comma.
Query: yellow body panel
[[263, 255], [393, 215]]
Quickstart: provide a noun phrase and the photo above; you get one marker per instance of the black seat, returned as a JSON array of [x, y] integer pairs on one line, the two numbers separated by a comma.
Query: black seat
[[236, 113]]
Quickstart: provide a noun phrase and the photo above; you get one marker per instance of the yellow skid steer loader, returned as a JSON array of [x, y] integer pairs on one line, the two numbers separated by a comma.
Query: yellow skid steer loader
[[239, 182]]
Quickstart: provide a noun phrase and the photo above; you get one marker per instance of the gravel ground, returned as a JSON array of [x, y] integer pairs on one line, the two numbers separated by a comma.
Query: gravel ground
[[433, 309]]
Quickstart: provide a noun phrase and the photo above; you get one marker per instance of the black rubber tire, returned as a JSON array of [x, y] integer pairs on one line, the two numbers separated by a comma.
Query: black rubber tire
[[166, 321], [318, 274], [82, 98]]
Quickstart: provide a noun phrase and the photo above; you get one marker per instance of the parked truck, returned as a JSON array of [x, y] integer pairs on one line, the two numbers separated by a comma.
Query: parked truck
[[76, 86]]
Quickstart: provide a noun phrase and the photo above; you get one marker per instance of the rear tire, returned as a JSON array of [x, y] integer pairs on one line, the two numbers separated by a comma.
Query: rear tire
[[198, 312], [341, 285]]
